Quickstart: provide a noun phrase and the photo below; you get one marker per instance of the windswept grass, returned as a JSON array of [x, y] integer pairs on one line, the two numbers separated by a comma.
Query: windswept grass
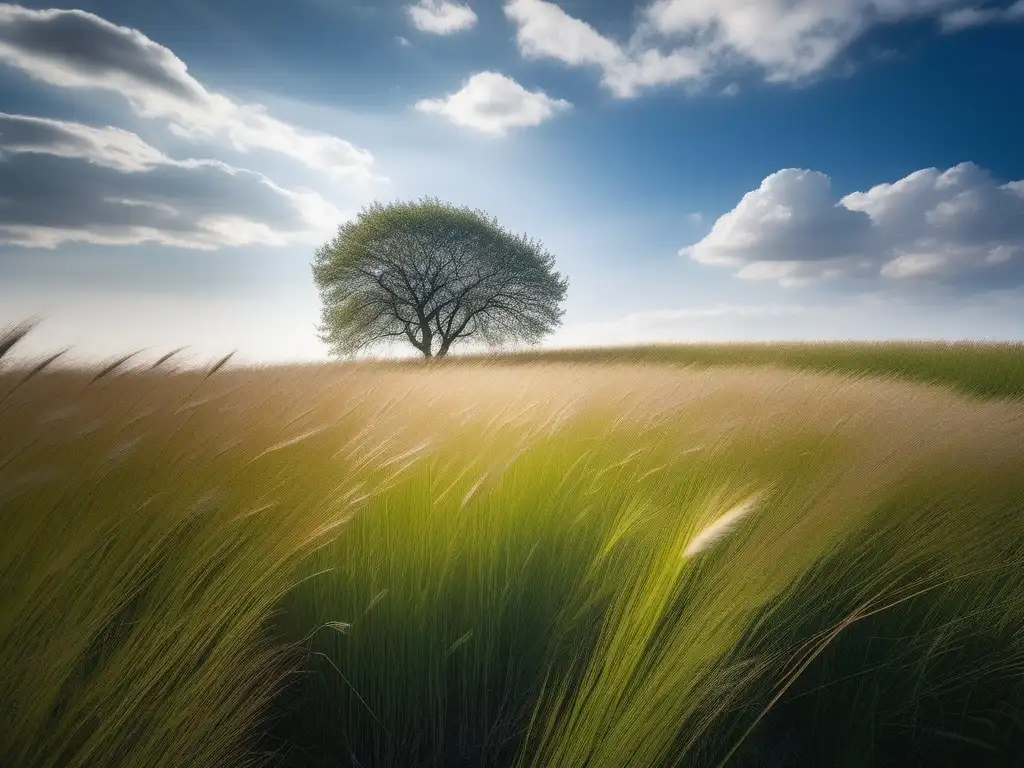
[[560, 564], [986, 369]]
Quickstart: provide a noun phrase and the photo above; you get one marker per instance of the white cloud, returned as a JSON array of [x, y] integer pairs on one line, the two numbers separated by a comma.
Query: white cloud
[[441, 17], [75, 49], [789, 39], [966, 18], [78, 183], [544, 30], [959, 225], [790, 217], [108, 146], [914, 265], [691, 41], [493, 103], [403, 41]]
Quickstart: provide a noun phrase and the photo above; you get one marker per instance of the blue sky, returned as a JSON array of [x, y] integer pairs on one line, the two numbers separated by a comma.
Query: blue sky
[[701, 169]]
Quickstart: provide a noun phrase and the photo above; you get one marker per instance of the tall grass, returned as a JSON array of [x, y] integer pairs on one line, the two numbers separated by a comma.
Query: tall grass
[[568, 563], [986, 369]]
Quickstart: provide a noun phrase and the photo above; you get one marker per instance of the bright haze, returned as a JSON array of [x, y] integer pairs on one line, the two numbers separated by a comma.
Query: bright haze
[[701, 169]]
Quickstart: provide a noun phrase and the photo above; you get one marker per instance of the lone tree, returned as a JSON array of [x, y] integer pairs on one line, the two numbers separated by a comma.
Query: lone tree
[[433, 274]]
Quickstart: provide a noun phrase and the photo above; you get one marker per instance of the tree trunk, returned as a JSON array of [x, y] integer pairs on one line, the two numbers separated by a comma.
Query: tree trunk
[[428, 341]]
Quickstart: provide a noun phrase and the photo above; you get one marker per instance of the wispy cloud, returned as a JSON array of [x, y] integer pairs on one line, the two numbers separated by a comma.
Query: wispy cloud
[[544, 30], [107, 146], [967, 18], [694, 41]]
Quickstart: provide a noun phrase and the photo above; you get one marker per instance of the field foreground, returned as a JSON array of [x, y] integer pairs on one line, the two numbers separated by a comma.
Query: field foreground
[[562, 563]]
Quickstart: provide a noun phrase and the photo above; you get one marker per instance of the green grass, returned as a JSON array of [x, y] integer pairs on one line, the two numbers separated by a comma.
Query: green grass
[[987, 369], [578, 562]]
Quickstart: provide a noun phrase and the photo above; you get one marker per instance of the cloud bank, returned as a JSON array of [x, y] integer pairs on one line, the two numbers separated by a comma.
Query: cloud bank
[[75, 49], [104, 185]]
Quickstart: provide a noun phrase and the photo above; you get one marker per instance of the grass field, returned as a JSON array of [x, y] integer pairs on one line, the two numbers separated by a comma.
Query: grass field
[[613, 560], [985, 369]]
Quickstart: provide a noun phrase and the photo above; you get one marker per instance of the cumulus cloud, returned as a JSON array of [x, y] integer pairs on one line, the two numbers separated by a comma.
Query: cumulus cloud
[[441, 17], [790, 217], [78, 183], [75, 49], [957, 226], [690, 41], [493, 103]]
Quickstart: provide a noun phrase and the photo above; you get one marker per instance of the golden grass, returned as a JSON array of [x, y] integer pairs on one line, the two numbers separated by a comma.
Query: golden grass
[[479, 562]]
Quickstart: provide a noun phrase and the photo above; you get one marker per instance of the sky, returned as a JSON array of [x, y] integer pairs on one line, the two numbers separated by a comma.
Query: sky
[[702, 170]]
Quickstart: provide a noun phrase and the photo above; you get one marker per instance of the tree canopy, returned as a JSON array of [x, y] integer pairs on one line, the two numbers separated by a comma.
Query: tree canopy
[[432, 274]]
